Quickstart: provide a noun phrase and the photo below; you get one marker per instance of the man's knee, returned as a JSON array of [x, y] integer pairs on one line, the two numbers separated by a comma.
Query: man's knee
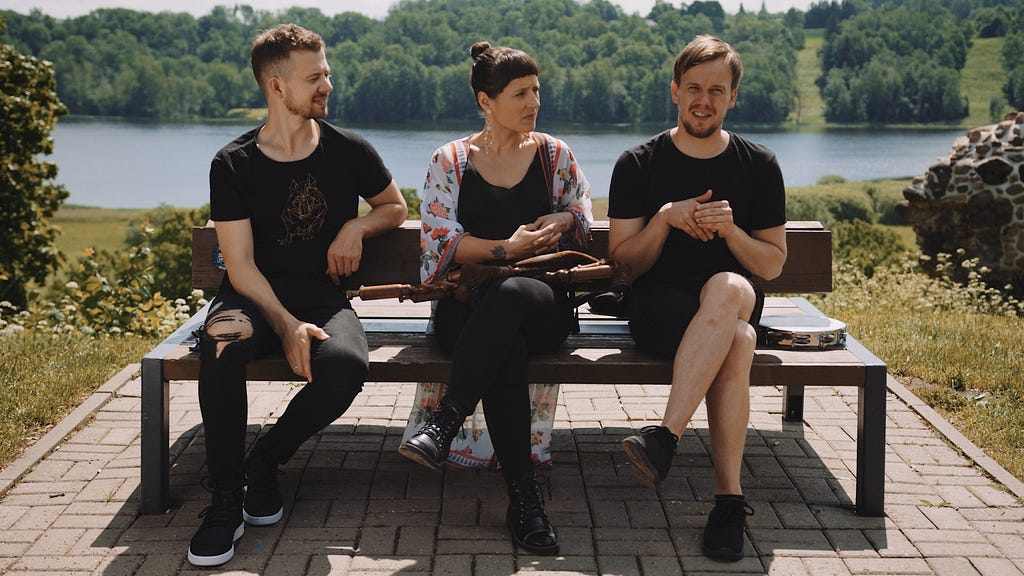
[[227, 330], [746, 337], [342, 364], [728, 291]]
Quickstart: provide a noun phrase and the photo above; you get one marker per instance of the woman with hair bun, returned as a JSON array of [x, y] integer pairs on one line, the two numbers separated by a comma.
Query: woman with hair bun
[[502, 194]]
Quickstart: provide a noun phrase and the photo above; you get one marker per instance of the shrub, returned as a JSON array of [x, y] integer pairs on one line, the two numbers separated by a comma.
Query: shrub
[[167, 231], [829, 205], [866, 246], [884, 202], [412, 201], [830, 179], [106, 294]]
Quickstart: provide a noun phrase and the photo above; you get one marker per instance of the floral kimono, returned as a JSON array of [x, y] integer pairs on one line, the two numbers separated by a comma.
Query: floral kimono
[[441, 234]]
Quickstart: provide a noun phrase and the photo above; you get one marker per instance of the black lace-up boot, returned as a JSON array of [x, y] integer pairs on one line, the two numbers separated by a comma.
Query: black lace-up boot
[[526, 519], [430, 445], [651, 453]]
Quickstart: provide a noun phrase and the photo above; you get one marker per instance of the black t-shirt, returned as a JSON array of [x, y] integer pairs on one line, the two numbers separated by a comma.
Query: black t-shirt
[[296, 208], [655, 172]]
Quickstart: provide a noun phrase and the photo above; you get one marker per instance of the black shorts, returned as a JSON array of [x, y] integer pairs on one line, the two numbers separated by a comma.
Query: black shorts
[[659, 315]]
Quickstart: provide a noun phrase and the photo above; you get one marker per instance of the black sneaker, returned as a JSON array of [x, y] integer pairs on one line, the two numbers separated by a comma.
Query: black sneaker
[[723, 535], [263, 503], [526, 519], [214, 543], [431, 444], [651, 453]]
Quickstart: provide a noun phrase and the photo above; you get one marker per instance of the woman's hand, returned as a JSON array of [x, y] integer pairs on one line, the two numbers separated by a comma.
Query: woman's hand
[[528, 240]]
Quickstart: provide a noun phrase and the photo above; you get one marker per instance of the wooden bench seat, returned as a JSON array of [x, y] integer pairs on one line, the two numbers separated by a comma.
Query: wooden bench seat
[[602, 353]]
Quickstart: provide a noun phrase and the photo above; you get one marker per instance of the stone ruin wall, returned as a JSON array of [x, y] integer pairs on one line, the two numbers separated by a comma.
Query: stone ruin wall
[[974, 199]]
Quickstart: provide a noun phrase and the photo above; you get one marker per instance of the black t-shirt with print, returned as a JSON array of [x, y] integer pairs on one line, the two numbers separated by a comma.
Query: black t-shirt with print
[[656, 172], [296, 208]]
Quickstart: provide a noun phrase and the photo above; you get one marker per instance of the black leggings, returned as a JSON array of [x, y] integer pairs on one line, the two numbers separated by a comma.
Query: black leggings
[[490, 340], [235, 333]]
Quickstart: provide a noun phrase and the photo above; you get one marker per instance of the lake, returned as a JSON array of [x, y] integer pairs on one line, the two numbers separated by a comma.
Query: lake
[[139, 165]]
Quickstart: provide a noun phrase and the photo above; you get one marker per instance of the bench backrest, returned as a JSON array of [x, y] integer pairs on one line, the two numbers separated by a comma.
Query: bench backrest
[[395, 258]]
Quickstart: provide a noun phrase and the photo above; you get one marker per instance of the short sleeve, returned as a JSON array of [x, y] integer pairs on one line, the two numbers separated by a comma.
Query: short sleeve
[[625, 199], [373, 176], [770, 199], [226, 203]]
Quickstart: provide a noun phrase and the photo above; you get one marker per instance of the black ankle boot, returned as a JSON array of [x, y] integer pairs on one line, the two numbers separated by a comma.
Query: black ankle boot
[[526, 519], [431, 444]]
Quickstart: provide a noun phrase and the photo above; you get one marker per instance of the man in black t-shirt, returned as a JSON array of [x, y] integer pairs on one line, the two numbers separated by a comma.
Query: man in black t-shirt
[[695, 211], [284, 199]]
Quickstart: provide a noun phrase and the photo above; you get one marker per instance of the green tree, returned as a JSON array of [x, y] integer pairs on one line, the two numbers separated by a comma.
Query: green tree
[[896, 63], [1013, 63], [29, 109]]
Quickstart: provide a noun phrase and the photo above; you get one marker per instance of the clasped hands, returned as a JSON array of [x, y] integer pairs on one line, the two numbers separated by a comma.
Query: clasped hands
[[700, 217], [540, 236]]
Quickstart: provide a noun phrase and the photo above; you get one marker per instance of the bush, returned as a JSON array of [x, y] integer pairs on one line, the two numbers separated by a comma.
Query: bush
[[884, 202], [830, 179], [167, 231], [412, 202], [829, 205], [866, 246], [106, 294]]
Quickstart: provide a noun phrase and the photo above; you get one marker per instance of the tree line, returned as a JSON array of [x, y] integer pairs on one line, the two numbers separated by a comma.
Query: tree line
[[883, 61], [597, 63]]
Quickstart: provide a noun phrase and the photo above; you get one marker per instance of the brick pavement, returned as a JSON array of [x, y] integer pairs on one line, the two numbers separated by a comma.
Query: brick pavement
[[355, 507]]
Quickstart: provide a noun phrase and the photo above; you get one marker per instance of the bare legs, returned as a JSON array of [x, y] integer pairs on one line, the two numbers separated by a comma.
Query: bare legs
[[712, 363]]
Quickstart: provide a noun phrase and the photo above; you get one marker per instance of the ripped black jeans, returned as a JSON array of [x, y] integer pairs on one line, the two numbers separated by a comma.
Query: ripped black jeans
[[235, 333]]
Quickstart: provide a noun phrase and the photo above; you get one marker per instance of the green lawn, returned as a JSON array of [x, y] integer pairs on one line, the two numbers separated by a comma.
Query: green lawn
[[810, 108], [982, 79], [86, 227]]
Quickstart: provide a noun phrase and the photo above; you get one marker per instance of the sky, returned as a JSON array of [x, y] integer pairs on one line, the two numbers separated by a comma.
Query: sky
[[372, 8]]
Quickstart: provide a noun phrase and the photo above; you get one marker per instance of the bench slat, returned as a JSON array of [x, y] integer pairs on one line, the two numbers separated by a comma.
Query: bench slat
[[395, 258]]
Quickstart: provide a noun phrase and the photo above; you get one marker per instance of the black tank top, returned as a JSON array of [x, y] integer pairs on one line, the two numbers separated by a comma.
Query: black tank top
[[493, 212]]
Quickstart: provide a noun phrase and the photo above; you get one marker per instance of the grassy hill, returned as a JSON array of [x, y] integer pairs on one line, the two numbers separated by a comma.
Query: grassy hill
[[980, 81], [810, 108]]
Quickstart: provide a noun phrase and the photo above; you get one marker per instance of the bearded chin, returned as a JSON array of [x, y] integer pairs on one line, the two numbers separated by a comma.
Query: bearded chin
[[705, 133], [309, 111]]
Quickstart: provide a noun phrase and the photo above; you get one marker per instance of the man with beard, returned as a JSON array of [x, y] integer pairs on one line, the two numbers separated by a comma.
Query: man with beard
[[284, 199], [694, 212]]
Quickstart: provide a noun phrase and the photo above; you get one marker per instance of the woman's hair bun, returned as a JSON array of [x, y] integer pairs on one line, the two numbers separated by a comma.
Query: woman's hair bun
[[478, 48]]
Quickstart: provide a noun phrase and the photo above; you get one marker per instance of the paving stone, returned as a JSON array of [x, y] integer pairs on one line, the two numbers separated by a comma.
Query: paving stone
[[952, 567], [356, 507]]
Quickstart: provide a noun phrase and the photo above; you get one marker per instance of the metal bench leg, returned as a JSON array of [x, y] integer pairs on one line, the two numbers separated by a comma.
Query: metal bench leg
[[870, 435], [155, 437], [793, 403]]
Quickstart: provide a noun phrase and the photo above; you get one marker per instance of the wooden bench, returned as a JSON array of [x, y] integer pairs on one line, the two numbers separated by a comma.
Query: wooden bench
[[602, 353]]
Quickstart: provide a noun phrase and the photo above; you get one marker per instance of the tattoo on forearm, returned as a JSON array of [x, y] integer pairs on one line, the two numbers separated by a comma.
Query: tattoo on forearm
[[498, 252]]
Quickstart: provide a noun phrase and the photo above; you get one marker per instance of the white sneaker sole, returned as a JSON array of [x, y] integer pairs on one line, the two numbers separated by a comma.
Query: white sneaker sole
[[219, 559]]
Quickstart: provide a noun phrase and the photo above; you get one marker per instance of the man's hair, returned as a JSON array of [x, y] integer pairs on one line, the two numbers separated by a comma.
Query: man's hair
[[495, 66], [705, 48], [270, 50]]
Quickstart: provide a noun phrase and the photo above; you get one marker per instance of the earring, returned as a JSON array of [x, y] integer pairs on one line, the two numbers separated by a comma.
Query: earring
[[488, 134]]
